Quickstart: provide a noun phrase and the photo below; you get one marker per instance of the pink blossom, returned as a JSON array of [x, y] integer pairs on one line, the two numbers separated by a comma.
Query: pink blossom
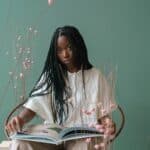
[[50, 2]]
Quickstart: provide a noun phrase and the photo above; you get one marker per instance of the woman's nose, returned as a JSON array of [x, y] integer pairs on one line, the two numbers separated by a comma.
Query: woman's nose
[[65, 53]]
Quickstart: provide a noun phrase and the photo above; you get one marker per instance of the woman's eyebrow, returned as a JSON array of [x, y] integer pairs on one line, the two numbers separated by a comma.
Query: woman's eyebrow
[[68, 44]]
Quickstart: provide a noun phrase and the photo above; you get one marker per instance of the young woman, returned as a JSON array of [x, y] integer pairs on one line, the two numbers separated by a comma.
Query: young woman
[[69, 91]]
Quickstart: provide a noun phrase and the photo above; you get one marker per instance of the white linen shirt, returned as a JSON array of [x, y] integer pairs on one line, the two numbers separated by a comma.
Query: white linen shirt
[[85, 104]]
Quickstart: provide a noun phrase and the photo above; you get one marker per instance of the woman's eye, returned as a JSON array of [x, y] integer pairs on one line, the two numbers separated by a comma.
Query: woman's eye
[[69, 47], [59, 50]]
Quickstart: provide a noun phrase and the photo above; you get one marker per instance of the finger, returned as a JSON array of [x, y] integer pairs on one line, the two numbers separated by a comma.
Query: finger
[[7, 128], [108, 131], [99, 126], [18, 123], [12, 125], [10, 129], [108, 123]]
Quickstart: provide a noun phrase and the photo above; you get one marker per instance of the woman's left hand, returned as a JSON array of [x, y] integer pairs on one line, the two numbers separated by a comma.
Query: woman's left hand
[[108, 125]]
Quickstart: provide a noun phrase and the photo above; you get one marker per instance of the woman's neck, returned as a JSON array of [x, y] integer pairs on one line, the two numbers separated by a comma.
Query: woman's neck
[[73, 69]]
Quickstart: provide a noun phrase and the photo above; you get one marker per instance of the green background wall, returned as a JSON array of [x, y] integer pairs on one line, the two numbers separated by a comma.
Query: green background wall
[[115, 31]]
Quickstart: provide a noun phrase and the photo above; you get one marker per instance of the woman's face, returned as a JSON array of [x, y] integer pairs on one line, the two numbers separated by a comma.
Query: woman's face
[[65, 53]]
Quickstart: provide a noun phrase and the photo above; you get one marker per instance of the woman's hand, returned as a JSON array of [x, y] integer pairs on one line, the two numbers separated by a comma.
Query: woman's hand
[[15, 124], [109, 127]]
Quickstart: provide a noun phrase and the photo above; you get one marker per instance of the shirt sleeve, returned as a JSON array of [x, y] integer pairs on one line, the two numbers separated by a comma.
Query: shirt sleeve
[[41, 105]]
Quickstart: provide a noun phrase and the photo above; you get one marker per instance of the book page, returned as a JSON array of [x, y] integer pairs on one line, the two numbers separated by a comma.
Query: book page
[[40, 131], [79, 132]]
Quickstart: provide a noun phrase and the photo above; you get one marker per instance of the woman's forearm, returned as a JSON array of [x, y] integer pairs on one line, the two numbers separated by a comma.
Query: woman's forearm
[[26, 115]]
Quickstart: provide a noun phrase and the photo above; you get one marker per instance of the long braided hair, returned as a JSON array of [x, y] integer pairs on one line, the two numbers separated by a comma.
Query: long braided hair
[[55, 73]]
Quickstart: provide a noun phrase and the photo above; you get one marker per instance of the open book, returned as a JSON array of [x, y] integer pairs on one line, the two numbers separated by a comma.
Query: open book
[[55, 134]]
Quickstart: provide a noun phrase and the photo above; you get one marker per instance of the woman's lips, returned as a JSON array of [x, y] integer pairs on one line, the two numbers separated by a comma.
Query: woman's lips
[[66, 60]]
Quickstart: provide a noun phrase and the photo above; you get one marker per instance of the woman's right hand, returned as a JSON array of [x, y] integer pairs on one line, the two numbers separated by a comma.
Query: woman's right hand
[[14, 125], [17, 122]]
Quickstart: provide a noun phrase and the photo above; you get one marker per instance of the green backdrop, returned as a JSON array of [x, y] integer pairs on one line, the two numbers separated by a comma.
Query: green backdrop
[[116, 32]]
